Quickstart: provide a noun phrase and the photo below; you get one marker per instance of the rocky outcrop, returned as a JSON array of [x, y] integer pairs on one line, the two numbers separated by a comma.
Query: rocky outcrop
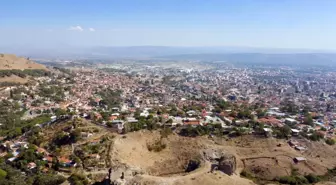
[[221, 160], [227, 164], [193, 165]]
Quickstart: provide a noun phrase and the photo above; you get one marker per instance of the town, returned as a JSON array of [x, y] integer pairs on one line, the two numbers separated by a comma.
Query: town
[[66, 120]]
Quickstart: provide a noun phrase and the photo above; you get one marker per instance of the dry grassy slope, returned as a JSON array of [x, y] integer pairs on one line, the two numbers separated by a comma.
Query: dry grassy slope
[[261, 156], [326, 183], [8, 61], [167, 167]]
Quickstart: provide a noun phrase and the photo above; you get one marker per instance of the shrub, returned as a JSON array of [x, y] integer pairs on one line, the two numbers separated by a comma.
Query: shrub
[[287, 180], [316, 136], [78, 179], [301, 180], [48, 179], [312, 178], [330, 141], [157, 146], [293, 180], [165, 132], [246, 174]]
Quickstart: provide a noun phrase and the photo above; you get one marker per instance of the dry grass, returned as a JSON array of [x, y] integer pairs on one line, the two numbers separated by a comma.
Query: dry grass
[[8, 61], [260, 156]]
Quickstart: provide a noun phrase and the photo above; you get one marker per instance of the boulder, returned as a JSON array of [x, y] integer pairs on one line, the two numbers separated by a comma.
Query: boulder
[[221, 160], [227, 164]]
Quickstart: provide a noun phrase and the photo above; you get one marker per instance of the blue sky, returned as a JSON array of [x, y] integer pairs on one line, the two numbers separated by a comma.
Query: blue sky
[[259, 23]]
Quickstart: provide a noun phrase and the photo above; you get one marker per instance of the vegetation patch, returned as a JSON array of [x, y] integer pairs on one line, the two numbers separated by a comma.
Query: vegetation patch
[[330, 141], [78, 179], [156, 146], [24, 73]]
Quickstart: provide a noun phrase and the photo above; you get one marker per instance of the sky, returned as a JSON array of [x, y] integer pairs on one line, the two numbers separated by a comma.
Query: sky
[[30, 24]]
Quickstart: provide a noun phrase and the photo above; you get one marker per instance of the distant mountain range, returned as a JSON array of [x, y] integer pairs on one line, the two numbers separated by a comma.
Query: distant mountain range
[[263, 58], [241, 55], [144, 51], [245, 55], [159, 51]]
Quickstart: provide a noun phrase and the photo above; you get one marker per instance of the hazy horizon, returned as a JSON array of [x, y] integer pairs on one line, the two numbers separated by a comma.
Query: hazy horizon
[[39, 24]]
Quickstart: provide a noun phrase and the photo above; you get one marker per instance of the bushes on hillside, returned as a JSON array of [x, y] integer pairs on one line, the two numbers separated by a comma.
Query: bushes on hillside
[[316, 136], [49, 179], [292, 180], [24, 73], [330, 141], [78, 179], [64, 138], [157, 146], [312, 178], [165, 132], [246, 174]]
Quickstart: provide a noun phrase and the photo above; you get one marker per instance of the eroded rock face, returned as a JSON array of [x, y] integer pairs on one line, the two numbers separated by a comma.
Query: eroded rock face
[[221, 160], [227, 164], [192, 165]]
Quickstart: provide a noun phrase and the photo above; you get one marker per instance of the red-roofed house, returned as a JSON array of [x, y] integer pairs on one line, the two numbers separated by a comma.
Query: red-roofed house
[[191, 122], [271, 121]]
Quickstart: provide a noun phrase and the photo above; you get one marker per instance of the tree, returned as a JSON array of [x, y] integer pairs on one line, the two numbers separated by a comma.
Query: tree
[[60, 112], [13, 176], [49, 179], [75, 135], [150, 117], [55, 164], [261, 113], [61, 138], [78, 179], [316, 136], [35, 139], [137, 114], [283, 132], [308, 120]]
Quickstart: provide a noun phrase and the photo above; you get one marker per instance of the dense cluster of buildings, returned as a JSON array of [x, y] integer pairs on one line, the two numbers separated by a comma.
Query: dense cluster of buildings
[[274, 97]]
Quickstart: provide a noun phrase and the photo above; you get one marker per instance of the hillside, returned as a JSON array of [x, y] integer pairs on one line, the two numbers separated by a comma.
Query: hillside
[[9, 61]]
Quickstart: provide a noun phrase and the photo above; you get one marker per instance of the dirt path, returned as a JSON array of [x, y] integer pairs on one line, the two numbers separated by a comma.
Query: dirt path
[[199, 177]]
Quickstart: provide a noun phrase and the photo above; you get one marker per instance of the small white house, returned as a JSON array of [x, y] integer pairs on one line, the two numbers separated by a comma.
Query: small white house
[[299, 159], [295, 132], [290, 121]]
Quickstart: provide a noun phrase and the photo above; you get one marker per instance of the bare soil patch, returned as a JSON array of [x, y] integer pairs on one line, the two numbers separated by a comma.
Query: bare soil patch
[[173, 159], [265, 158]]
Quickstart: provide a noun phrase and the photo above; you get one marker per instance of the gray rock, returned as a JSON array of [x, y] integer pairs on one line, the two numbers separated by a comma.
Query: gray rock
[[221, 160], [227, 164]]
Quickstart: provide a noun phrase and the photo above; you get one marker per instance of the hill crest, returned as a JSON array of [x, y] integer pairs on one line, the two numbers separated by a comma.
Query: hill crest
[[10, 61]]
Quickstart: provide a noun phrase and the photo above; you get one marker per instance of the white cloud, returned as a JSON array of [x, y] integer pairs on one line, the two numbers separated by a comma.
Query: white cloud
[[76, 28], [92, 29]]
